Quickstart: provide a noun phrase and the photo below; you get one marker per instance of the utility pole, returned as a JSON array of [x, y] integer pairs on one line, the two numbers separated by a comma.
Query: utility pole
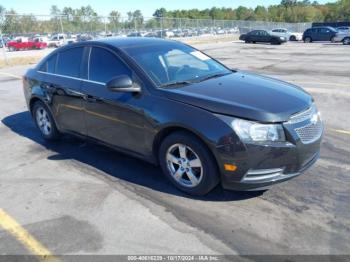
[[61, 24], [105, 20], [3, 48]]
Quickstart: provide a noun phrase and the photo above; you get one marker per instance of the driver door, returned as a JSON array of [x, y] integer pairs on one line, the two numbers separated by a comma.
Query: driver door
[[115, 118]]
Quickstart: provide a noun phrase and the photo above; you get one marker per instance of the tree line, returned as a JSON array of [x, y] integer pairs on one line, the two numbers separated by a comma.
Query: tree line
[[291, 11], [86, 19]]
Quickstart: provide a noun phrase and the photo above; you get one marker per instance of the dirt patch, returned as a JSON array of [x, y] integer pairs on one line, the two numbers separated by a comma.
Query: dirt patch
[[14, 61]]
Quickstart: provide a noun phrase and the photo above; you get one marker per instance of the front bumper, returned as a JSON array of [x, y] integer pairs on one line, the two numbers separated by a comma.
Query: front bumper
[[265, 178], [262, 165]]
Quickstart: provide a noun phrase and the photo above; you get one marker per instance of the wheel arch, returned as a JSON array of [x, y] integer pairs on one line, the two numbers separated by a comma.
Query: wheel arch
[[166, 131], [32, 101], [35, 99]]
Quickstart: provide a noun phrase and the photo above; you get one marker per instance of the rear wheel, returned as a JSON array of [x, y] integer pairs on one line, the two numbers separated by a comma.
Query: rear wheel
[[333, 39], [346, 41], [292, 38], [188, 164], [307, 40], [44, 121]]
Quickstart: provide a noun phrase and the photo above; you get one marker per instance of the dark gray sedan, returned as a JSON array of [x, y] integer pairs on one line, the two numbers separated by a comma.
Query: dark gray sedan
[[170, 104]]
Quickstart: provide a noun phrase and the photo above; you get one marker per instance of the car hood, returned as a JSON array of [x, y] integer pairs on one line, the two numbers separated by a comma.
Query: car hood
[[244, 95]]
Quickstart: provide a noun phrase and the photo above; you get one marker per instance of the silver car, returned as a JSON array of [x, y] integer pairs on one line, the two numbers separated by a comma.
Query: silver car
[[342, 36]]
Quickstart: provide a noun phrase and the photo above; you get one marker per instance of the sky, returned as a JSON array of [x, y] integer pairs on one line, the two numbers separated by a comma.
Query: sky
[[147, 7]]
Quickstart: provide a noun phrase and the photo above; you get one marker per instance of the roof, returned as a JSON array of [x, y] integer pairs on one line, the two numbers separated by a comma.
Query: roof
[[123, 42]]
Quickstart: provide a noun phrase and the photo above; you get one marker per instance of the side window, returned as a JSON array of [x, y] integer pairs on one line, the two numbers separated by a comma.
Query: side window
[[104, 65], [69, 62], [50, 65]]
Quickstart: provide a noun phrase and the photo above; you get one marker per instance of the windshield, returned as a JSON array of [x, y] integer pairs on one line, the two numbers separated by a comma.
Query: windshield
[[174, 63]]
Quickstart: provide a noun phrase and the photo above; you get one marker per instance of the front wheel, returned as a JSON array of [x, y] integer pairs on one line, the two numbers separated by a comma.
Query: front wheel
[[188, 163], [44, 121], [292, 38], [346, 41]]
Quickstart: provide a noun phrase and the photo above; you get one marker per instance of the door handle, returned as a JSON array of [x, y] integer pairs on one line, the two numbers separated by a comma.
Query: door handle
[[90, 99]]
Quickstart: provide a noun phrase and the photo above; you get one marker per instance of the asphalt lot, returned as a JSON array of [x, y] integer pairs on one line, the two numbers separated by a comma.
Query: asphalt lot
[[76, 197]]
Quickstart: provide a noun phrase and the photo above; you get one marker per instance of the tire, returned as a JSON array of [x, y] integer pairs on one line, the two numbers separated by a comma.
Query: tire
[[307, 39], [45, 122], [333, 39], [346, 41], [292, 38], [196, 179]]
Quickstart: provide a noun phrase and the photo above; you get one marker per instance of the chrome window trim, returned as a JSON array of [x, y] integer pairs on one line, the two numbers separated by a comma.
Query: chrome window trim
[[88, 69], [74, 78]]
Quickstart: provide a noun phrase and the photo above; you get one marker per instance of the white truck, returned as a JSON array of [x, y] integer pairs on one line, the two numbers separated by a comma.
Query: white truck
[[57, 40], [283, 32]]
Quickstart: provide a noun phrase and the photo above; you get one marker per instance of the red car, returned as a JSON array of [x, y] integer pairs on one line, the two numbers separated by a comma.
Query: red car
[[22, 43]]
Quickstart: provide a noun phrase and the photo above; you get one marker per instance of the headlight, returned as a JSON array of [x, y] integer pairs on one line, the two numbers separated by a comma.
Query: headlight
[[282, 38], [252, 131], [249, 131]]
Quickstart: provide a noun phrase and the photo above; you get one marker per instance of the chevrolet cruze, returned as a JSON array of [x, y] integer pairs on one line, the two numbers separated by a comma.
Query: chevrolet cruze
[[172, 105]]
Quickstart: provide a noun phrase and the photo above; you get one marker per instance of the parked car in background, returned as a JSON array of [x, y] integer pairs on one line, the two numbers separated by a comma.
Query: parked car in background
[[342, 36], [84, 37], [57, 40], [262, 36], [134, 34], [165, 34], [291, 36], [23, 43], [343, 28], [320, 33]]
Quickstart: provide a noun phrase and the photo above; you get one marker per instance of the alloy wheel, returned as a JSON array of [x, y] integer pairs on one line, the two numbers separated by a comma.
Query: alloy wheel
[[184, 165], [43, 121]]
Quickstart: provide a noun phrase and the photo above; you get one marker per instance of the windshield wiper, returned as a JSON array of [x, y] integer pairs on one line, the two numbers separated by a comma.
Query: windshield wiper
[[176, 83], [213, 76]]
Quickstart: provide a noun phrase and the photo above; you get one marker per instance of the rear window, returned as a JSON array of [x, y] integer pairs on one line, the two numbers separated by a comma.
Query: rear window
[[69, 62], [50, 65]]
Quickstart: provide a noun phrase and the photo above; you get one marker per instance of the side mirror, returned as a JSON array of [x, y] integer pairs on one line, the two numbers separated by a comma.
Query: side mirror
[[122, 83]]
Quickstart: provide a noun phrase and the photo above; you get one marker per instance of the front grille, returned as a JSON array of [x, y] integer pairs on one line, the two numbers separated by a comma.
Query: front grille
[[305, 115], [307, 125], [310, 133]]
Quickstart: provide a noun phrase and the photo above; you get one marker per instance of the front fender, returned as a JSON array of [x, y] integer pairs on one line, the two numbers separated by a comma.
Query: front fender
[[216, 134]]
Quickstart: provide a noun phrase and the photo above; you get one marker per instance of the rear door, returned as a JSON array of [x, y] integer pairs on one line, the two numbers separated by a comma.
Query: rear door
[[253, 36], [63, 81], [264, 36], [316, 34]]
